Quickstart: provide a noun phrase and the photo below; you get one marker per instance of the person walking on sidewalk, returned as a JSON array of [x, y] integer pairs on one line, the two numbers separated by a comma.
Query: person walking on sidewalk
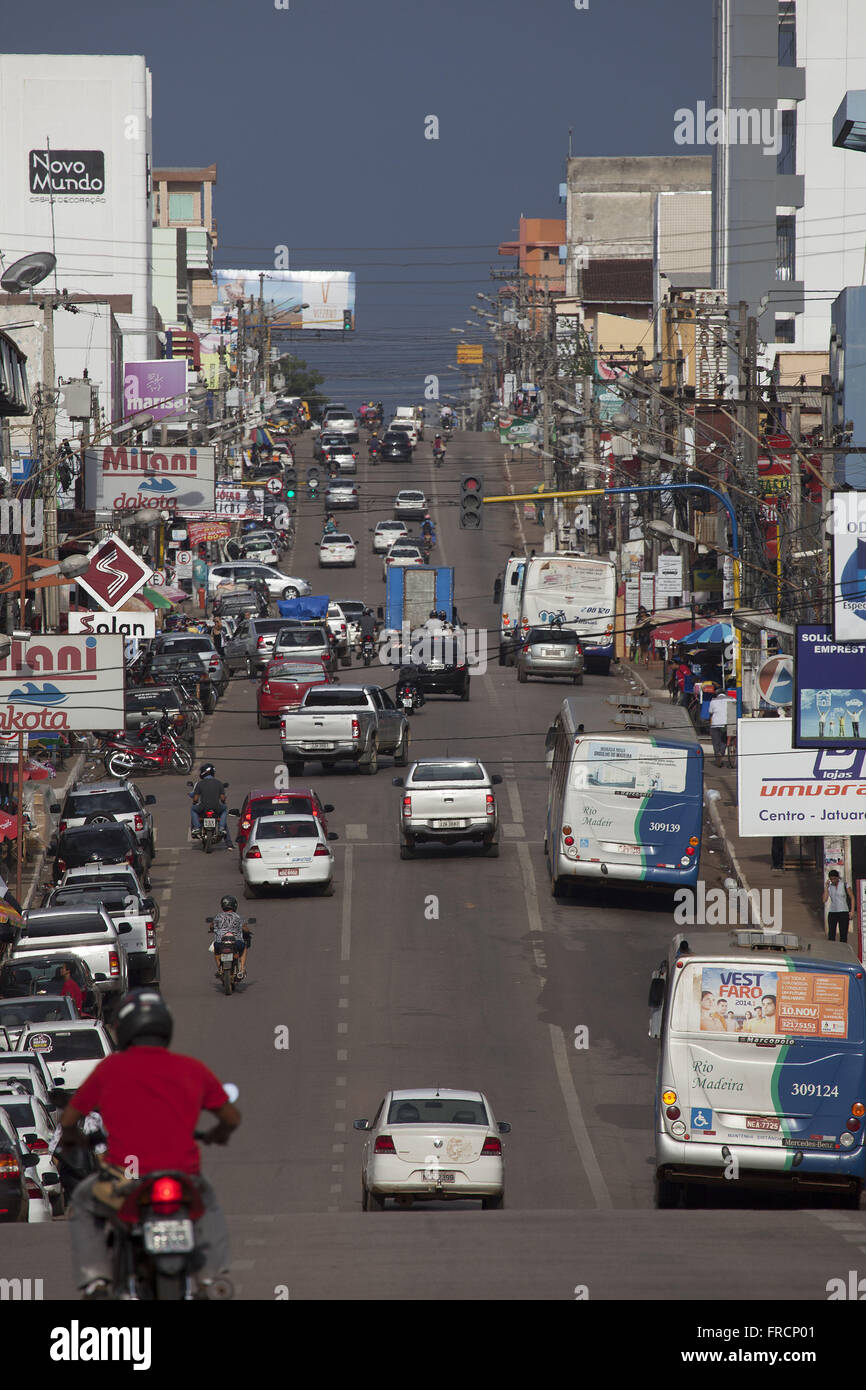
[[837, 897], [719, 706]]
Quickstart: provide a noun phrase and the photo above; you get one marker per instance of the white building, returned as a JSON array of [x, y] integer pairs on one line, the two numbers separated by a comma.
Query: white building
[[789, 211]]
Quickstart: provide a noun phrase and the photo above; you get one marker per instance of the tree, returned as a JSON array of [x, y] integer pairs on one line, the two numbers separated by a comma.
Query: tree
[[300, 380]]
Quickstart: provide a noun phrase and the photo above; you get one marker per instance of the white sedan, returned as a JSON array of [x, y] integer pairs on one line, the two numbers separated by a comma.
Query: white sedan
[[285, 852], [70, 1051], [401, 555], [410, 502], [337, 550], [33, 1125], [386, 533], [432, 1145]]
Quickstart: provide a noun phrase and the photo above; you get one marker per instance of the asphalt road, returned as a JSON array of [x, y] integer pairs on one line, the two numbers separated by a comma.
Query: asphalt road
[[448, 969]]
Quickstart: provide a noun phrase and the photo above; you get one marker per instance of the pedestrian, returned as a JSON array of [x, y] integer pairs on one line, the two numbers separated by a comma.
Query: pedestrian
[[497, 587], [837, 897], [777, 853], [719, 725]]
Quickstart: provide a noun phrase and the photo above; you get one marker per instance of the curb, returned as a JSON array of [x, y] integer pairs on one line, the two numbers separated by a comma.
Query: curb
[[39, 861], [711, 799]]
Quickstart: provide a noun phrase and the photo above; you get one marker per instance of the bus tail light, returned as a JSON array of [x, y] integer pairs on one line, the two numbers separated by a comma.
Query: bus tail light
[[673, 1112], [852, 1125], [569, 839], [690, 849], [858, 1109], [669, 1097]]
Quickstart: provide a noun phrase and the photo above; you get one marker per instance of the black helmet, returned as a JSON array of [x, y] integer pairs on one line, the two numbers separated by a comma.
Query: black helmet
[[228, 903], [433, 613], [143, 1018], [207, 770]]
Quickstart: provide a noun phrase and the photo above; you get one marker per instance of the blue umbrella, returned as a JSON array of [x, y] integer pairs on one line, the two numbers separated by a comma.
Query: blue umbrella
[[715, 635]]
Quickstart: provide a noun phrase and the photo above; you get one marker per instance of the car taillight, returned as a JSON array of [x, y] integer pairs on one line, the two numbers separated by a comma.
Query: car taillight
[[525, 647], [38, 1146], [9, 1166], [356, 728], [384, 1145], [139, 822], [130, 857], [407, 805], [254, 853], [491, 804], [61, 866], [150, 933], [34, 1192], [320, 849], [62, 826], [246, 822], [491, 1146], [260, 642], [113, 964]]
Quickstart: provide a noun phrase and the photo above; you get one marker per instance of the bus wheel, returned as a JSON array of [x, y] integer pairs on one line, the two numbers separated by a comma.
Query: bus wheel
[[667, 1194], [557, 888]]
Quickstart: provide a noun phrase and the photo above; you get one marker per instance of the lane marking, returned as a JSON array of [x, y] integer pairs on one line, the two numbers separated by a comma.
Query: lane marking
[[342, 1027], [346, 931]]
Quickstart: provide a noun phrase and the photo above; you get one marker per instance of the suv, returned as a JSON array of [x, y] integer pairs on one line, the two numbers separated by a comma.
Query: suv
[[396, 447], [100, 803], [299, 801], [446, 673], [252, 643], [108, 844], [231, 603]]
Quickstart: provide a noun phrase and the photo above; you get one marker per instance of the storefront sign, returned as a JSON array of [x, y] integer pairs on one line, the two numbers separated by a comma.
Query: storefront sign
[[48, 684], [179, 481]]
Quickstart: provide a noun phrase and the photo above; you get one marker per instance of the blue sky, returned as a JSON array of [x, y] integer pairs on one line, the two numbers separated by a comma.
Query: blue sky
[[315, 117]]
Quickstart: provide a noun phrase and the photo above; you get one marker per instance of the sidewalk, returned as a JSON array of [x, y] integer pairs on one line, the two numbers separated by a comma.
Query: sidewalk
[[746, 860]]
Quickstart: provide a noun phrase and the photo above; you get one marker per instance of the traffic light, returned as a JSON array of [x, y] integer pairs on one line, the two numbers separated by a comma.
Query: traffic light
[[347, 319], [471, 504]]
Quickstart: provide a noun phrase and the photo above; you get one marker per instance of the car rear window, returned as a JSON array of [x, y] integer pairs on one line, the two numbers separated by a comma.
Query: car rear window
[[292, 671], [302, 637], [334, 696], [279, 806], [263, 625], [556, 636], [187, 644], [100, 803], [439, 1111], [83, 1045], [151, 697], [338, 540], [288, 830], [94, 839], [410, 496], [19, 1111], [84, 925], [352, 609], [51, 1008], [448, 772]]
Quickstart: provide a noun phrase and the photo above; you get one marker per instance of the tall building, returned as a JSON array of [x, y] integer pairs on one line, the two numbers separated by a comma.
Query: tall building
[[789, 210]]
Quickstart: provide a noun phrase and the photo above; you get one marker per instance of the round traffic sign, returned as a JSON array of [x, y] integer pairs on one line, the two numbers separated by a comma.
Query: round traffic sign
[[157, 579], [274, 485], [776, 680]]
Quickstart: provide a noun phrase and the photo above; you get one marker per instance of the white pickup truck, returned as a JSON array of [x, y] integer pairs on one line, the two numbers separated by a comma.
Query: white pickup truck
[[88, 933], [125, 908], [446, 800], [344, 723]]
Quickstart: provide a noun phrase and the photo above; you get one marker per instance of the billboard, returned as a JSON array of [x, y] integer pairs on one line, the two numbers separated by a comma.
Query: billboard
[[238, 501], [156, 388], [848, 526], [470, 353], [328, 294], [830, 691], [792, 791], [48, 684], [138, 480]]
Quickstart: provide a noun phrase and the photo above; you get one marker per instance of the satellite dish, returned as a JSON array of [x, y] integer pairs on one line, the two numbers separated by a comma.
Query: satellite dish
[[27, 272]]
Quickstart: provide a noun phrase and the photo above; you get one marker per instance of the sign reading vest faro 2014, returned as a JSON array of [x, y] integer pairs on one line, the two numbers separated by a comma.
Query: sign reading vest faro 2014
[[125, 480], [67, 173], [48, 684]]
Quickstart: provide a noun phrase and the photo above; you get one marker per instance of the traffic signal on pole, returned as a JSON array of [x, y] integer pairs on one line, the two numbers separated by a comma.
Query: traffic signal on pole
[[347, 319], [471, 504]]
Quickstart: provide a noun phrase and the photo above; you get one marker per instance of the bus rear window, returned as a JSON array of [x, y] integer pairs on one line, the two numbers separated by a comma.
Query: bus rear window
[[745, 998], [628, 767]]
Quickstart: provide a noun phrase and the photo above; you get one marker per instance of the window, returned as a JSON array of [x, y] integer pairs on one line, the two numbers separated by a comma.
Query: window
[[181, 207], [785, 247], [785, 329], [787, 34], [786, 159]]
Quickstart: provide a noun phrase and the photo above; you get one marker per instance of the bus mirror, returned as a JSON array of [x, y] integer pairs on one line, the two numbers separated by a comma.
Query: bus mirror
[[550, 740], [656, 992]]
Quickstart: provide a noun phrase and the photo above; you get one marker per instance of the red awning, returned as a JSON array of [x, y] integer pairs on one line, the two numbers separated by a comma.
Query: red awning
[[673, 632], [8, 826]]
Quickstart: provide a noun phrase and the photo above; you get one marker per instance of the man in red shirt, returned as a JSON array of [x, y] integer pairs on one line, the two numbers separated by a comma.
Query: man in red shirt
[[150, 1100], [71, 987]]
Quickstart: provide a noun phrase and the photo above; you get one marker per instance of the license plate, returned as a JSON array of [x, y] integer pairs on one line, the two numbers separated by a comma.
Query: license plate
[[552, 651], [628, 849], [449, 824], [288, 873], [227, 959], [318, 745], [209, 822], [447, 1177], [168, 1237], [761, 1122]]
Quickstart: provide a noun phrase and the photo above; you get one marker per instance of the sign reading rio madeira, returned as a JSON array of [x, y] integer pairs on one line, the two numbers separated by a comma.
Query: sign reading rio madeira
[[180, 481], [48, 684]]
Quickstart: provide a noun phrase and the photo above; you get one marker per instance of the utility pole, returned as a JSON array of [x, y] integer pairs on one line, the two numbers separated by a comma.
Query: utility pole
[[828, 470], [48, 462]]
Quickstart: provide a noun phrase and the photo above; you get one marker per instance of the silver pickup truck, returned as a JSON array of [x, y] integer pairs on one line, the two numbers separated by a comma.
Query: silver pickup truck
[[125, 909], [344, 723], [88, 933], [447, 800]]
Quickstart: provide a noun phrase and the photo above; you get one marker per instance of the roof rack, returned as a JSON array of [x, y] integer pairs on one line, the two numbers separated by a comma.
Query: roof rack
[[770, 941]]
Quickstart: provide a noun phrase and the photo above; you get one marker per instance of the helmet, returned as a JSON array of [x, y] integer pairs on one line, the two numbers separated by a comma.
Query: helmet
[[433, 613], [207, 770], [143, 1018], [228, 903]]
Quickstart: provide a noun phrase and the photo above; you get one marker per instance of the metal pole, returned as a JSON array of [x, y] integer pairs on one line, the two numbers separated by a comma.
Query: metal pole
[[19, 799], [51, 598]]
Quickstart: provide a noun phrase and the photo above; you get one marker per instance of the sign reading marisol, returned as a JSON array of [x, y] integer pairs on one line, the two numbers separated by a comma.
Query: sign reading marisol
[[791, 791], [139, 480], [48, 684]]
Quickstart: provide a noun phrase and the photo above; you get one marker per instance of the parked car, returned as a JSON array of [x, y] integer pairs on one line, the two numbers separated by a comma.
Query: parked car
[[14, 1167], [262, 549], [187, 671], [279, 585], [109, 844], [88, 933], [188, 644], [126, 910], [265, 801], [230, 602], [101, 803], [337, 550], [550, 652], [288, 852], [39, 978], [283, 686], [386, 533], [144, 702], [342, 496], [35, 1130], [15, 1013]]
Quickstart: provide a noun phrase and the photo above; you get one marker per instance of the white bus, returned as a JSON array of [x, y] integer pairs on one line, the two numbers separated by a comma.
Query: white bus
[[509, 611], [577, 591]]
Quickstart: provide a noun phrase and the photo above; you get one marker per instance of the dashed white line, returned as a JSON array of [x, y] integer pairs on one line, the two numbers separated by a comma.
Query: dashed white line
[[346, 930]]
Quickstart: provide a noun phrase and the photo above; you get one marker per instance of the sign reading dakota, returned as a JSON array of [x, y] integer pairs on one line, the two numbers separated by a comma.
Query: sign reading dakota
[[131, 480], [54, 683]]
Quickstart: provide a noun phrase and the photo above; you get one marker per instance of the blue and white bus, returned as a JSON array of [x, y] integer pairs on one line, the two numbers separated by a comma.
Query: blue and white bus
[[580, 593], [762, 1073], [624, 805]]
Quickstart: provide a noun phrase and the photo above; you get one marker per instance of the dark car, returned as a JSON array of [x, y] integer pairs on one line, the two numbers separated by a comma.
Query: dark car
[[445, 673], [14, 1197], [395, 447], [107, 844], [39, 976], [245, 602]]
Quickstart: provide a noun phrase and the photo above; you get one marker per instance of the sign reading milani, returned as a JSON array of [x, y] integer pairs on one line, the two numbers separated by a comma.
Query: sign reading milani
[[67, 173]]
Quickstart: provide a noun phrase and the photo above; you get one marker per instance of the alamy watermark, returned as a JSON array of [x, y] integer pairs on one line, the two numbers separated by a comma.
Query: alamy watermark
[[731, 907], [733, 125], [424, 647], [22, 519]]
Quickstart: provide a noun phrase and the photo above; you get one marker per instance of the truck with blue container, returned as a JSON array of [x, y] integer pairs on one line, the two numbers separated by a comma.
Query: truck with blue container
[[413, 593]]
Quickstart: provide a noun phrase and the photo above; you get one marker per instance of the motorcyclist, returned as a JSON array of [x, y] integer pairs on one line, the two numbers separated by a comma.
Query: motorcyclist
[[330, 525], [149, 1100], [438, 444], [427, 532], [209, 794], [366, 625], [433, 623], [228, 922]]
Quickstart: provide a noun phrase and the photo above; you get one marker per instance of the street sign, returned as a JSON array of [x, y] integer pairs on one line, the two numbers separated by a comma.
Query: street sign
[[470, 353], [274, 485], [776, 680], [125, 623], [183, 565], [115, 573], [157, 579]]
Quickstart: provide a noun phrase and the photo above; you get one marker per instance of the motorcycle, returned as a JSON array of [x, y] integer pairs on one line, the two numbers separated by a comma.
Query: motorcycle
[[123, 756], [409, 697], [231, 949], [427, 543], [438, 456], [366, 650]]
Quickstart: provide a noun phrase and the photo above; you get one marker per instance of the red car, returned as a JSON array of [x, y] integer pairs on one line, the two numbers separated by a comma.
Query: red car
[[300, 801], [283, 684]]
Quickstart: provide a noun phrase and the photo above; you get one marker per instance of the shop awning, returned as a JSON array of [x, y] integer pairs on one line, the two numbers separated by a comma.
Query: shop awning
[[8, 829], [157, 599]]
